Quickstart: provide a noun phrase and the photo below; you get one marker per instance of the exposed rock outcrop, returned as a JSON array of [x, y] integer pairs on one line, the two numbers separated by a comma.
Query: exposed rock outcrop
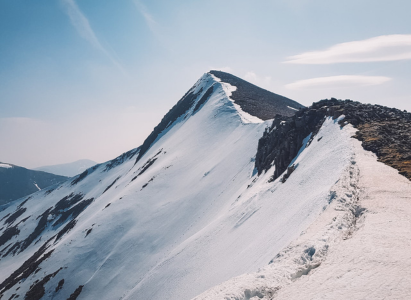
[[382, 130], [257, 101]]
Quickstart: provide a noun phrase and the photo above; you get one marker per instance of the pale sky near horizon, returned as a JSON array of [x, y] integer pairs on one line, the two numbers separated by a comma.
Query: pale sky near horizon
[[89, 79]]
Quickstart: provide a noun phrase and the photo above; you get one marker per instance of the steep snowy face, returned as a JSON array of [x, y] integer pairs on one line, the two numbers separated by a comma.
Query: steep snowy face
[[172, 218]]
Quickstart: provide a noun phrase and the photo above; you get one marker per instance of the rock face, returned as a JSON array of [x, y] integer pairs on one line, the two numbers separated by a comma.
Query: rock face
[[382, 130], [281, 142], [257, 101]]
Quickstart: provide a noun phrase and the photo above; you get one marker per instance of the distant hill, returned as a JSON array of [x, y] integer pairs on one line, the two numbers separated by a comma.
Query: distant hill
[[69, 169], [17, 182]]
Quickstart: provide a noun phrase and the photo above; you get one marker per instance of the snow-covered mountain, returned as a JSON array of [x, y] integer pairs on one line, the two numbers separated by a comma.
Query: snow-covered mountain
[[201, 203], [69, 169], [17, 182]]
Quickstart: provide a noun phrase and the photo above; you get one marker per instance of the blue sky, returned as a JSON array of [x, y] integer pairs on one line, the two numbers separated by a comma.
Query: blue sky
[[91, 78]]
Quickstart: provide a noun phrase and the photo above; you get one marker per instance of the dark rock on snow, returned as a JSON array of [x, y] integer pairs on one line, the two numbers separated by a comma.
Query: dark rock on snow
[[257, 101], [382, 130]]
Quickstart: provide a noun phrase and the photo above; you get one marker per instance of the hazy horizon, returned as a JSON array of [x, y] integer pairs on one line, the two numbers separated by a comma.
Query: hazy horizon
[[90, 80]]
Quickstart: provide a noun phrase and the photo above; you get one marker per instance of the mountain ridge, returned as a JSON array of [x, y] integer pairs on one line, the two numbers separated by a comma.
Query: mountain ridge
[[384, 131], [196, 207]]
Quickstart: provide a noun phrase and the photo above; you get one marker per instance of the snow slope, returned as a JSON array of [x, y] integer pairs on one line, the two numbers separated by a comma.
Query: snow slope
[[358, 248], [374, 262], [188, 215]]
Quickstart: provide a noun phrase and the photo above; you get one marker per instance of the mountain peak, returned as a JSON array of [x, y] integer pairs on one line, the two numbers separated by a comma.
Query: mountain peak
[[253, 103], [256, 101]]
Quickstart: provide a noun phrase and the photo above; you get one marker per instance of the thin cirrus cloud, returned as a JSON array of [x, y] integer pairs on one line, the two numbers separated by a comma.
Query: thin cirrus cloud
[[381, 48], [341, 81], [82, 25], [150, 21], [155, 27]]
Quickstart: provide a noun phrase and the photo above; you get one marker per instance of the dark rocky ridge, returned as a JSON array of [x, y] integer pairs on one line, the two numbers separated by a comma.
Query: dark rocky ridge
[[257, 101], [382, 130]]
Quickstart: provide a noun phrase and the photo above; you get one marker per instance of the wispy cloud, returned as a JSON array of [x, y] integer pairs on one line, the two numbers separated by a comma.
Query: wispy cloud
[[158, 31], [380, 48], [150, 21], [341, 81], [82, 25]]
